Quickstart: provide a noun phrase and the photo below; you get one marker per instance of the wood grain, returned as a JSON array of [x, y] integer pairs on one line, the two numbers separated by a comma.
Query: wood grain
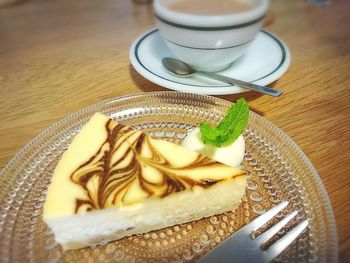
[[57, 57]]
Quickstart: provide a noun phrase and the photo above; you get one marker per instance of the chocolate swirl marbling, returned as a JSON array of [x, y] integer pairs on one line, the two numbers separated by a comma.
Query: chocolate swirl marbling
[[128, 168]]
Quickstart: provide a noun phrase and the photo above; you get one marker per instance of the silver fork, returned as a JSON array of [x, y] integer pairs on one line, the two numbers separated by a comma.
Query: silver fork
[[242, 247]]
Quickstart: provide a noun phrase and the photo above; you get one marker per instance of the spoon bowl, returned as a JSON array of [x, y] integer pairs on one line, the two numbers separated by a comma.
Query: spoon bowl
[[177, 67]]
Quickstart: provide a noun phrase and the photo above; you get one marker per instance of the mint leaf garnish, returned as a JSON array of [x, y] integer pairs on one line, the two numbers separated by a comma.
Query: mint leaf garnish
[[210, 133], [230, 127]]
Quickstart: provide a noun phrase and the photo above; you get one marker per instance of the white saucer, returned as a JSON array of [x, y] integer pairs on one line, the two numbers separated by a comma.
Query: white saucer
[[266, 60]]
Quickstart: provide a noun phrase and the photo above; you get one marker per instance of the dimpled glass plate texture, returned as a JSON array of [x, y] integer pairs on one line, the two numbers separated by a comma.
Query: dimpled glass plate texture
[[276, 170]]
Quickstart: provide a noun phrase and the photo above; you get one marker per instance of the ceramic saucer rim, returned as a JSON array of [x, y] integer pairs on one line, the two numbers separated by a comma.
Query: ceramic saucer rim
[[272, 76]]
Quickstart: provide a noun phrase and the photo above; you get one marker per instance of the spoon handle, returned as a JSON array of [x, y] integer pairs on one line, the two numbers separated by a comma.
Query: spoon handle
[[243, 84]]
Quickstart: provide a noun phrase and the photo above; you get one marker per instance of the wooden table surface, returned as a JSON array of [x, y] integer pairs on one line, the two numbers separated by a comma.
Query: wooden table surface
[[57, 57]]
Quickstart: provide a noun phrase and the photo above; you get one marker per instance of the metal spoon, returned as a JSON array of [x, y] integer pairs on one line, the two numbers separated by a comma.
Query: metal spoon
[[180, 68]]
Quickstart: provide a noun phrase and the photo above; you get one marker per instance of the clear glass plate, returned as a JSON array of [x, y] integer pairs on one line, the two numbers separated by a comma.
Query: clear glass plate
[[277, 170]]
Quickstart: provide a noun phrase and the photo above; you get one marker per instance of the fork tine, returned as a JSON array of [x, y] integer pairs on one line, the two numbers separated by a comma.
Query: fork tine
[[264, 218], [274, 229], [285, 241]]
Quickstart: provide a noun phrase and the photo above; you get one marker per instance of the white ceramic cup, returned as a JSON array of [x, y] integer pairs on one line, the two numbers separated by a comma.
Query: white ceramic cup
[[209, 42]]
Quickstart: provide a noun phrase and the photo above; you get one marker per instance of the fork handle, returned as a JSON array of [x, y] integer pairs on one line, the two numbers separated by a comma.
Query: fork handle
[[238, 248]]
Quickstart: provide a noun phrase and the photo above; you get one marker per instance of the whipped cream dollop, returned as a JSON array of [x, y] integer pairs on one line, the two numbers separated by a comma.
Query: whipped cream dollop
[[231, 154]]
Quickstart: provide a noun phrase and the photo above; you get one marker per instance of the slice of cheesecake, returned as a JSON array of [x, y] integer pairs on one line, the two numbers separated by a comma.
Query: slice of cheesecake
[[114, 181]]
